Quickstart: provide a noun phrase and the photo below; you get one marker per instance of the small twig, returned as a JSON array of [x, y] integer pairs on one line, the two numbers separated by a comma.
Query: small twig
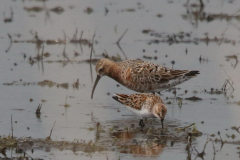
[[235, 26], [74, 140], [81, 36], [80, 41], [91, 55], [11, 126], [49, 137], [11, 13], [52, 129], [20, 138], [236, 12], [28, 155], [188, 126], [203, 152], [222, 143], [76, 84], [225, 85], [64, 53], [196, 150], [238, 129], [75, 35], [224, 31], [92, 117], [66, 100], [226, 73], [121, 36], [201, 3], [205, 147], [189, 144], [221, 40], [42, 58], [190, 138], [213, 146], [236, 58], [10, 37], [147, 131], [64, 35], [230, 84], [8, 20], [122, 51], [38, 110], [92, 46], [42, 50], [47, 13]]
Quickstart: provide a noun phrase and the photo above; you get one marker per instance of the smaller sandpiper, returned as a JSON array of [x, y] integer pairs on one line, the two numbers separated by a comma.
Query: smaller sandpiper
[[144, 105]]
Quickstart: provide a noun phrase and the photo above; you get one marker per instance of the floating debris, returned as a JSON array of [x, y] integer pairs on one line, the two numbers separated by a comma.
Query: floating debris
[[193, 131], [128, 10], [76, 84], [236, 128], [209, 17], [147, 57], [234, 57], [159, 15], [184, 37], [34, 9], [193, 98], [80, 40], [16, 109], [38, 110], [36, 40], [58, 10], [8, 19], [114, 58], [41, 83], [88, 10]]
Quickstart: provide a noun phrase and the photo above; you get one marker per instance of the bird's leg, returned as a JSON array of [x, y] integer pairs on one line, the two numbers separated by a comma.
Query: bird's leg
[[162, 122], [141, 123]]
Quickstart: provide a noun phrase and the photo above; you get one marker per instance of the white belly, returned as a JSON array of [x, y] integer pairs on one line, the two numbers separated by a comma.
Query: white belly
[[144, 113]]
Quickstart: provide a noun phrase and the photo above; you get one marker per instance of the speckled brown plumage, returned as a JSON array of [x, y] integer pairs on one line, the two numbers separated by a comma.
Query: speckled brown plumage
[[143, 104], [139, 101], [141, 76]]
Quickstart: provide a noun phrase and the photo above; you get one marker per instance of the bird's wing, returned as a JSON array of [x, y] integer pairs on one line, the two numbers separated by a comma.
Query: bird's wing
[[135, 101], [152, 73]]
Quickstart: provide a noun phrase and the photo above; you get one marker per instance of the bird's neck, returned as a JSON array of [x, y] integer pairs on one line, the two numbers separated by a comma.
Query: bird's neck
[[113, 71]]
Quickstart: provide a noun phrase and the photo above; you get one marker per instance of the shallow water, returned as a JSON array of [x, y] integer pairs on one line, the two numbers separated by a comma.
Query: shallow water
[[78, 119]]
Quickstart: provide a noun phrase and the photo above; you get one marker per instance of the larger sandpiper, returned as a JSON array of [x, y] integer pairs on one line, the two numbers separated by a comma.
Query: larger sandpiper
[[141, 76]]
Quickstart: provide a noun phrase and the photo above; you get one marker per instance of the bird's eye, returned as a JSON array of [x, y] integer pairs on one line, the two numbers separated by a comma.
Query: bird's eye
[[101, 69]]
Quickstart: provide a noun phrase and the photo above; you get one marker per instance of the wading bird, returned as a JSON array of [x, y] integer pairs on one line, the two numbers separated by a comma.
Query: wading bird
[[141, 76], [143, 105]]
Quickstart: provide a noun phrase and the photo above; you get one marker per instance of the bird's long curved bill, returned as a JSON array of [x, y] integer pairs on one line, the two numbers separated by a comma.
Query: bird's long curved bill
[[95, 84]]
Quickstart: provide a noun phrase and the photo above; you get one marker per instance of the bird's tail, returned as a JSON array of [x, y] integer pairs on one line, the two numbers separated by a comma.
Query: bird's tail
[[192, 73]]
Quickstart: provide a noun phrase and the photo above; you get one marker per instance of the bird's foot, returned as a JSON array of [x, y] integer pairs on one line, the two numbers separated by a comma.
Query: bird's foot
[[141, 124]]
